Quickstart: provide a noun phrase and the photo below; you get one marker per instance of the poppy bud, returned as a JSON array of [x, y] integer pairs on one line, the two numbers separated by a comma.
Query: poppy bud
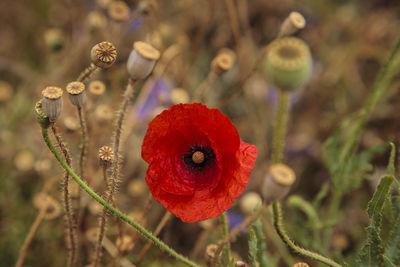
[[77, 93], [222, 63], [300, 264], [249, 202], [52, 102], [41, 116], [278, 182], [293, 23], [103, 55], [288, 63], [106, 156], [141, 61]]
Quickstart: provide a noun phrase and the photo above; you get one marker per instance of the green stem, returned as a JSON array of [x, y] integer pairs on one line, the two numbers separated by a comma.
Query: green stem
[[304, 252], [280, 128], [107, 205], [226, 233]]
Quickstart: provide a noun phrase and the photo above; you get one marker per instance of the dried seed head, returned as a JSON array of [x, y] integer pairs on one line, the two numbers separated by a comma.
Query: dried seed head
[[278, 182], [103, 54], [104, 113], [106, 156], [24, 161], [249, 202], [288, 63], [141, 60], [179, 96], [77, 93], [118, 11], [53, 209], [71, 124], [136, 188], [97, 88], [96, 21], [209, 254], [240, 264], [293, 23], [6, 91], [222, 63], [41, 116], [125, 244], [52, 102], [103, 3], [300, 264]]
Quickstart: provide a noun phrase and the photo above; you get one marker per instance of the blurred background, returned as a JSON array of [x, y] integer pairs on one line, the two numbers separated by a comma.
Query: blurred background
[[47, 43]]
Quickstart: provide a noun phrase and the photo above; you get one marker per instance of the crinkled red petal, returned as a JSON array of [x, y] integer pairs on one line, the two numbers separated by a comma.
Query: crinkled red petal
[[205, 203], [190, 119]]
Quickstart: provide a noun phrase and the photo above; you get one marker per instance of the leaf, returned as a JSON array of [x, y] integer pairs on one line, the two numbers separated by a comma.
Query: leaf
[[392, 250], [372, 252]]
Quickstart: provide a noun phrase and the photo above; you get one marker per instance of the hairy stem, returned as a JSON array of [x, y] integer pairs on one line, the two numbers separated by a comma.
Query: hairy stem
[[204, 88], [249, 220], [226, 233], [71, 225], [285, 238], [110, 207], [87, 73]]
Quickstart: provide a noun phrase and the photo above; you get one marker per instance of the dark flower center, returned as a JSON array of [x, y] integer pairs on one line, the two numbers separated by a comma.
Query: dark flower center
[[198, 158]]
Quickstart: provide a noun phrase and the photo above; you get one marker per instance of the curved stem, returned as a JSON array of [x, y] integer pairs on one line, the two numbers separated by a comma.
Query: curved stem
[[110, 207], [87, 73], [285, 238]]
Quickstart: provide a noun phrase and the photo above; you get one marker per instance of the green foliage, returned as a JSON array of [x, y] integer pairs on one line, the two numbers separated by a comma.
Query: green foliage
[[372, 252], [348, 175], [252, 248], [258, 247]]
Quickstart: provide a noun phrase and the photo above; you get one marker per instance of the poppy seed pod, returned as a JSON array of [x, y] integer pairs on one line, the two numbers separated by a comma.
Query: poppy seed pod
[[249, 202], [288, 63], [77, 93], [52, 102], [222, 63], [277, 183], [293, 23], [118, 11], [41, 116], [300, 264], [106, 156], [141, 61], [103, 55], [97, 88], [209, 254]]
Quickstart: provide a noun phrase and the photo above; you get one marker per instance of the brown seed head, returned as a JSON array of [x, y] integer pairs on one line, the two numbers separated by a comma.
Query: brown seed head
[[198, 157], [222, 63], [92, 234], [249, 202], [71, 124], [282, 174], [52, 92], [75, 88], [97, 88], [300, 264], [103, 54], [118, 11], [292, 24], [53, 209], [146, 50], [104, 113], [179, 95], [106, 155]]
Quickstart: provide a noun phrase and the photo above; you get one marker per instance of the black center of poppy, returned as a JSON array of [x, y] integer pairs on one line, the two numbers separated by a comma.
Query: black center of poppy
[[198, 158]]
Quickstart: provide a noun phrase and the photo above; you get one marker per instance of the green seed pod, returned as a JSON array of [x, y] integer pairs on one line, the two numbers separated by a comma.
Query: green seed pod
[[288, 63], [42, 119]]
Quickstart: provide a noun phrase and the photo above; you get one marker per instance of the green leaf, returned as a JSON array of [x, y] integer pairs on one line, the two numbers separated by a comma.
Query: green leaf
[[372, 252], [392, 250]]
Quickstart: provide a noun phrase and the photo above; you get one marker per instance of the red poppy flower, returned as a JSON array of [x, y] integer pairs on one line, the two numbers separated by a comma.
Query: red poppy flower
[[198, 165]]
